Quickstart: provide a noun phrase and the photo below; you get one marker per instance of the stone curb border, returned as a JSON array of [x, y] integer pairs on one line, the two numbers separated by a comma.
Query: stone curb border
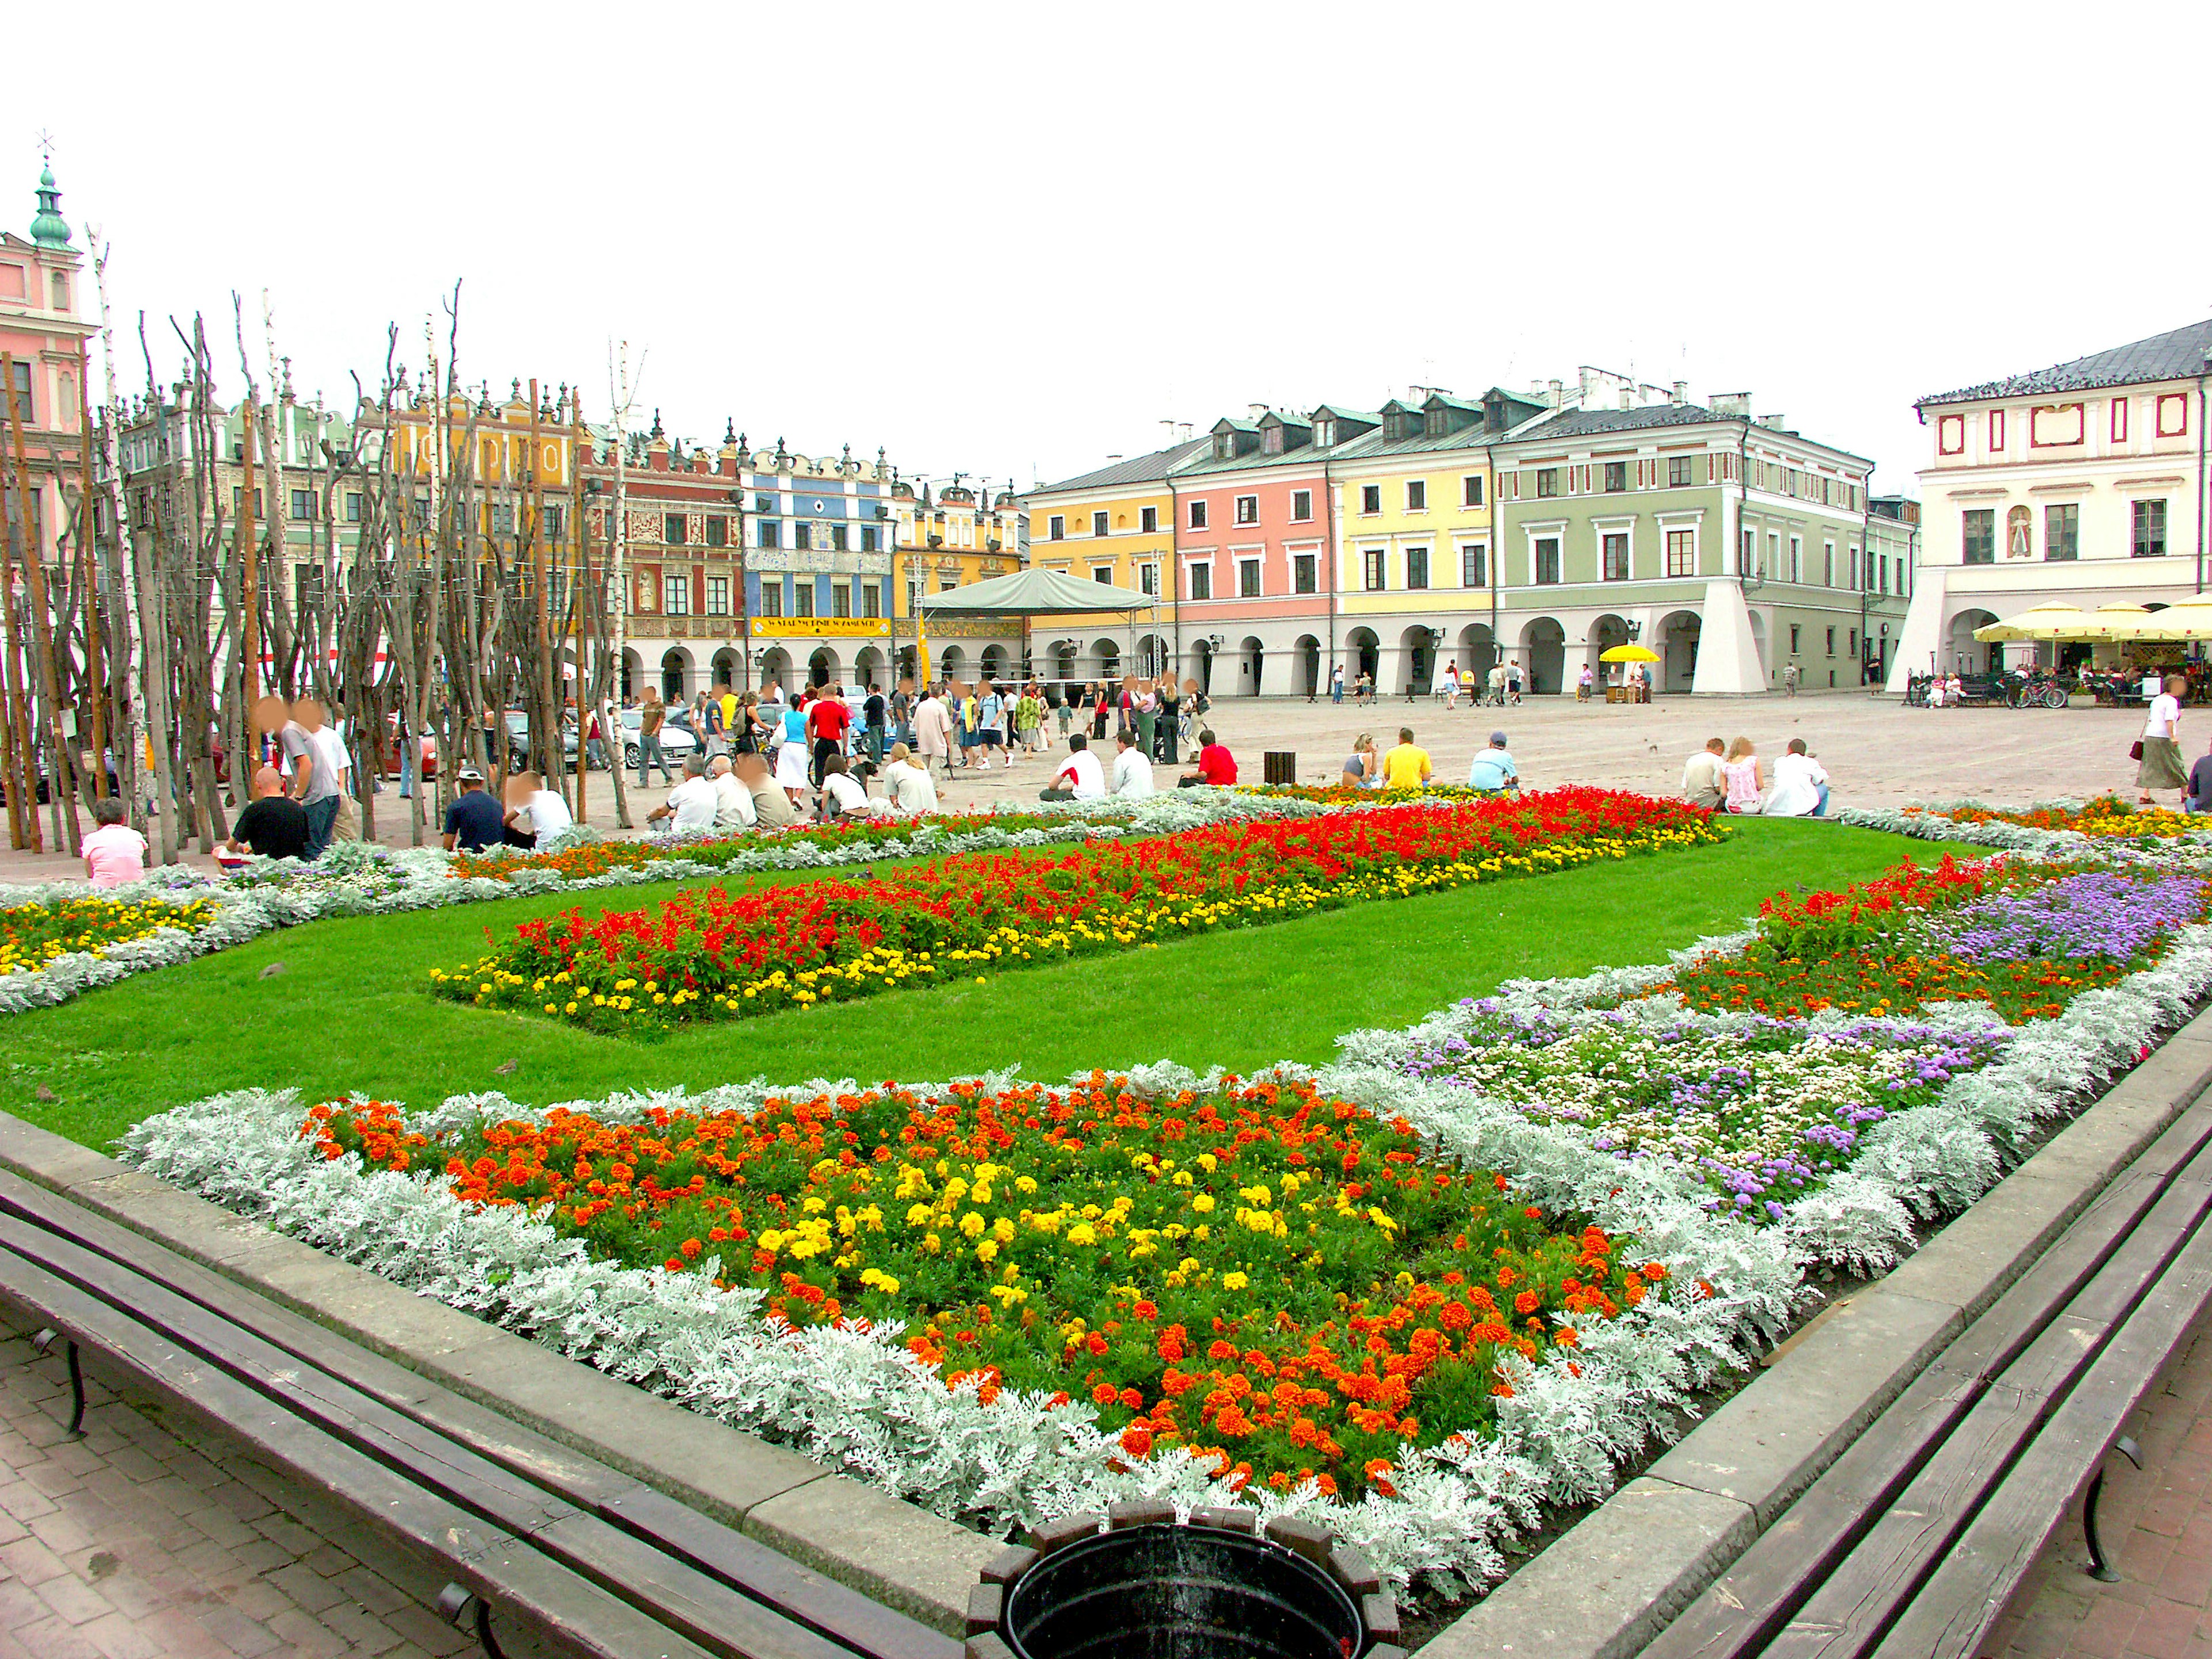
[[1615, 1579], [904, 1557]]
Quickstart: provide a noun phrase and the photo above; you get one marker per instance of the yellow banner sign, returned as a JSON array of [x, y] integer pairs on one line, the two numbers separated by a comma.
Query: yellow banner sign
[[787, 628]]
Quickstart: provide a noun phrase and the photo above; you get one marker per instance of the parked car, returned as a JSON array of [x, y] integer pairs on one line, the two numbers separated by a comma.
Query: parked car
[[677, 740], [518, 742]]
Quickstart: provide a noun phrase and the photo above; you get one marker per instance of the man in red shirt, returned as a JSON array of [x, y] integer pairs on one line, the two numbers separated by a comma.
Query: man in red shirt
[[1216, 765], [827, 720]]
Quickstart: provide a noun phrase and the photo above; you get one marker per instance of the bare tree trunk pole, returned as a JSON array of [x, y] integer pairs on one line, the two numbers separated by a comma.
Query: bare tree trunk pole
[[40, 661]]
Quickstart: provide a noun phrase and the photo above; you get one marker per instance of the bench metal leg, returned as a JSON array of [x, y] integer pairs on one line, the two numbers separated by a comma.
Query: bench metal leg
[[463, 1609], [2099, 1568], [43, 1342]]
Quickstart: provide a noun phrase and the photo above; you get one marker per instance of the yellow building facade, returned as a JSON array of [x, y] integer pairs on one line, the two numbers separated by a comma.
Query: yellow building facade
[[1416, 549], [1115, 525], [941, 542]]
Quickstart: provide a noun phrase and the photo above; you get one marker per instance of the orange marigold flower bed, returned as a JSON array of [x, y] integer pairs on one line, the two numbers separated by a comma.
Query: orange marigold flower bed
[[1277, 1280]]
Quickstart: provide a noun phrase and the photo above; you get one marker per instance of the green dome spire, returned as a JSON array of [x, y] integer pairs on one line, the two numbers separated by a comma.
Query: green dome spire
[[48, 228]]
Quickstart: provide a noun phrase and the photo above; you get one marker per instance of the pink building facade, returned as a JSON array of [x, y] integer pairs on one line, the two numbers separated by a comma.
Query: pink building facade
[[43, 328], [1252, 559]]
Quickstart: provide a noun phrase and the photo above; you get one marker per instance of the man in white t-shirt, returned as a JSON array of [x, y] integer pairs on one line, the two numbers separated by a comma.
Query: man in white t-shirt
[[1133, 773], [692, 804], [1082, 778], [911, 789], [1801, 786], [733, 802], [538, 812]]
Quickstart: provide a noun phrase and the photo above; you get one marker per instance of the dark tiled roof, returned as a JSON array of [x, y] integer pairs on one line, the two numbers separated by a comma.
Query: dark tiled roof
[[2172, 356], [1142, 469], [1589, 422]]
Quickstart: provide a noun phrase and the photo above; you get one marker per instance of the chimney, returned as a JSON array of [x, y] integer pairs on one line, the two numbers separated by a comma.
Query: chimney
[[1681, 393], [1732, 405], [1777, 422], [1256, 410], [1628, 397], [1558, 394], [1182, 432]]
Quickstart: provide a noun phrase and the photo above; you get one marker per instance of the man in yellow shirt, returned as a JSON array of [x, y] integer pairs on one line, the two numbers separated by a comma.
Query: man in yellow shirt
[[1406, 767]]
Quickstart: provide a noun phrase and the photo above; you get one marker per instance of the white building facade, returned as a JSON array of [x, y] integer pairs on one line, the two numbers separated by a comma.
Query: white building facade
[[2083, 484]]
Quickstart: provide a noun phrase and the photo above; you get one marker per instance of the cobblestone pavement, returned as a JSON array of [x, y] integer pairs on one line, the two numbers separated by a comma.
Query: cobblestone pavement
[[1878, 752], [150, 1537], [2157, 1526]]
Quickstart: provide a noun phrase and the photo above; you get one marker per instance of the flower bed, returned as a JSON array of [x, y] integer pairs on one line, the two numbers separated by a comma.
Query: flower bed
[[1559, 1115], [1277, 1281], [32, 935], [711, 954], [2025, 937], [1762, 1111], [1337, 794], [2106, 816], [582, 859], [358, 878]]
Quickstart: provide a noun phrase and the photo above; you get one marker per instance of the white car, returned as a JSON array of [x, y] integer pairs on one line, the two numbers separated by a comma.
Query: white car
[[677, 742]]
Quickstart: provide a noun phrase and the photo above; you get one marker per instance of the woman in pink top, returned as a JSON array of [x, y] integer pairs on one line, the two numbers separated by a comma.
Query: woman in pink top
[[114, 854], [1739, 777]]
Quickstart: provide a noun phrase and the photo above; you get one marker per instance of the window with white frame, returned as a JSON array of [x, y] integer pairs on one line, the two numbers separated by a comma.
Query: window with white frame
[[1473, 565], [676, 594], [1681, 552], [1417, 495], [1248, 510], [1248, 579], [1376, 565], [1056, 527], [1470, 490], [717, 596], [1098, 524], [1547, 560], [1614, 548], [1300, 506], [1201, 581], [1304, 572], [1417, 567], [1198, 515]]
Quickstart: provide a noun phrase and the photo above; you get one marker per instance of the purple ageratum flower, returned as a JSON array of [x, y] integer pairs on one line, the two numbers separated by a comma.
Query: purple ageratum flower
[[2090, 915]]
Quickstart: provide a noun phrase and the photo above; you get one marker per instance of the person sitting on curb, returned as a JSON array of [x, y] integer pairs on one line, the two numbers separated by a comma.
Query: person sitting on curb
[[1493, 769], [1702, 783], [1133, 773], [1216, 765], [1801, 786], [691, 803], [1407, 766], [1081, 778]]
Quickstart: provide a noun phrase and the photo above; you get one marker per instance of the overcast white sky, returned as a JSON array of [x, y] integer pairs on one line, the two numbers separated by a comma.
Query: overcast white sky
[[1013, 239]]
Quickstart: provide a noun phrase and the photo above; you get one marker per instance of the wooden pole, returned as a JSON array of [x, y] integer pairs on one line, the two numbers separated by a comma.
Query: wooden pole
[[23, 774], [88, 571], [23, 794], [579, 619], [62, 785], [249, 635]]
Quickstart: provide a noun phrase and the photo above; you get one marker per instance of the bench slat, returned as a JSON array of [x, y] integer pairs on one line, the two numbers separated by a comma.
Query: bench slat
[[519, 1582], [1966, 1593], [717, 1617], [1856, 1602], [798, 1592], [1743, 1609]]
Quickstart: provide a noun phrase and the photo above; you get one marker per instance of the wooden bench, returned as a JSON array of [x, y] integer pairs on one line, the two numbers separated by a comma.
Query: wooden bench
[[589, 1559], [1912, 1541]]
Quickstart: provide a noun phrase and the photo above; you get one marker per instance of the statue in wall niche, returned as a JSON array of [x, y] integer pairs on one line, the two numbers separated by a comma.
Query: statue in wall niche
[[2018, 541]]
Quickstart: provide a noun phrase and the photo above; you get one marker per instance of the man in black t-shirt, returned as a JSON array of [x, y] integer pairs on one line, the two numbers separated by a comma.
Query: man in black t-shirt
[[875, 711], [275, 826], [474, 821], [2198, 798]]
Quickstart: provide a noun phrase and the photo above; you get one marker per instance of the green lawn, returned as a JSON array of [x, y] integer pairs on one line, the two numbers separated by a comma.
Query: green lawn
[[352, 1009]]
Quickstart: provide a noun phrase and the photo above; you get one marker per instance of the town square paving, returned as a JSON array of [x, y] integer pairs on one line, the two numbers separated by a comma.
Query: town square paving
[[1878, 752]]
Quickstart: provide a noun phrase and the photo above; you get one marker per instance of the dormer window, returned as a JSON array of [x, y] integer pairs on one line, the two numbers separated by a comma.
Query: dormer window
[[1225, 445], [1324, 433], [1271, 440]]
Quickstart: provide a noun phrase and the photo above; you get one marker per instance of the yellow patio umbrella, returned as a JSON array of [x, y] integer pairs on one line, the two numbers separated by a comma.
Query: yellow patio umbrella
[[2042, 622], [1628, 653], [2191, 619]]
